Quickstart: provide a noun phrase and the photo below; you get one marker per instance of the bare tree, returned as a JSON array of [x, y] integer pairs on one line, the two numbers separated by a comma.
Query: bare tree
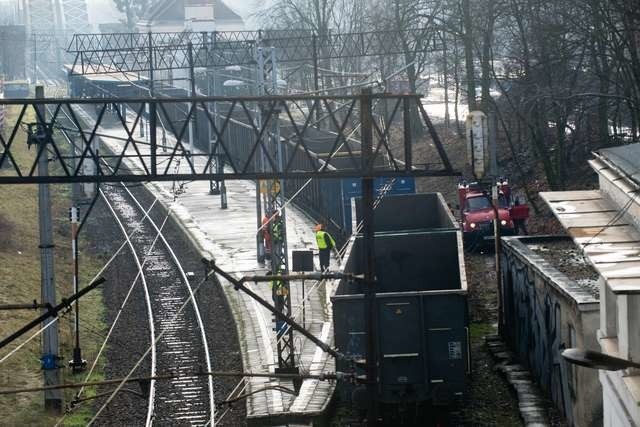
[[132, 9]]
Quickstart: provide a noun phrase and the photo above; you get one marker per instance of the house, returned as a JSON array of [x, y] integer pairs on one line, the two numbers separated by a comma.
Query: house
[[605, 224], [187, 15], [190, 15]]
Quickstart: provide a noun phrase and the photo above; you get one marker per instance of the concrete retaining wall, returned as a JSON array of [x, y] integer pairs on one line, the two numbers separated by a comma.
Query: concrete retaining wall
[[544, 312]]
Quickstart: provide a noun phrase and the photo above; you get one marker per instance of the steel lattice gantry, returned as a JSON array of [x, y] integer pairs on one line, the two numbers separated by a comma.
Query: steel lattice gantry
[[275, 202], [49, 25], [56, 16], [44, 21], [304, 157], [272, 132], [43, 15], [76, 16], [136, 52]]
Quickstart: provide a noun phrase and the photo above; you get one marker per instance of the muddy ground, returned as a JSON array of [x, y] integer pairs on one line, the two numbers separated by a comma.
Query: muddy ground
[[489, 401]]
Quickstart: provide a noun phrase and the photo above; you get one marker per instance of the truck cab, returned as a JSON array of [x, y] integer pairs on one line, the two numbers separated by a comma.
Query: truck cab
[[477, 212]]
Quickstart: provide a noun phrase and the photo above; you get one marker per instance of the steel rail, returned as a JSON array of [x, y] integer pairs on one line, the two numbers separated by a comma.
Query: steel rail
[[143, 280], [192, 298], [194, 302], [147, 298]]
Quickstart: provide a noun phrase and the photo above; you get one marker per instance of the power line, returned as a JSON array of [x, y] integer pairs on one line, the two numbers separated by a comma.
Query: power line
[[137, 364], [55, 319], [167, 377]]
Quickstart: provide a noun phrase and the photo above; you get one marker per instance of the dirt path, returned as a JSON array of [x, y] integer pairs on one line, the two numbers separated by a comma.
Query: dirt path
[[489, 401]]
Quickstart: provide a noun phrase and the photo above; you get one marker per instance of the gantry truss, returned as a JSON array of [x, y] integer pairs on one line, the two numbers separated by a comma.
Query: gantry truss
[[140, 52], [55, 16], [240, 136]]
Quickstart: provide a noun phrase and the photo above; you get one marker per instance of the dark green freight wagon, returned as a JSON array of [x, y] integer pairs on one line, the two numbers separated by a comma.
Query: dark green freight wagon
[[422, 324]]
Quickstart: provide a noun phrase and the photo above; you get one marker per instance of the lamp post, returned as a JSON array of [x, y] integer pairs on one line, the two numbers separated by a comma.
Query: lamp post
[[597, 360], [214, 186]]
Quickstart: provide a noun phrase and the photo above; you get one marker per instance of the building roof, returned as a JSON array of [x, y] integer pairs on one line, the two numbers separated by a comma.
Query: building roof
[[224, 12], [626, 158], [173, 10], [609, 241]]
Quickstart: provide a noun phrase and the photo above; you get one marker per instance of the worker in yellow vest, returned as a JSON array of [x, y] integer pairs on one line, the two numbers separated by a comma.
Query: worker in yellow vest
[[325, 244]]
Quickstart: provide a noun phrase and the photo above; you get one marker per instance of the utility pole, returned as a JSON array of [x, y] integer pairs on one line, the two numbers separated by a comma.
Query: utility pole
[[217, 164], [492, 125], [151, 62], [260, 86], [192, 93], [151, 111], [77, 364], [370, 308], [75, 187], [214, 188], [496, 227], [219, 154], [275, 209], [35, 57], [52, 398], [316, 76]]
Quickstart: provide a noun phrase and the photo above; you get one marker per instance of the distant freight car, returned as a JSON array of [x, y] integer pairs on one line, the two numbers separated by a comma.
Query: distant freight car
[[352, 188], [422, 318], [16, 89]]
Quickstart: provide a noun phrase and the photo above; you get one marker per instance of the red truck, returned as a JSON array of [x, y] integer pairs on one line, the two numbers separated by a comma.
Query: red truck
[[477, 212]]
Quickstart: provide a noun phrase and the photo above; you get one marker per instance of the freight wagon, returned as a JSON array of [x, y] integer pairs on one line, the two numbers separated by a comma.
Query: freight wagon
[[422, 331], [16, 89]]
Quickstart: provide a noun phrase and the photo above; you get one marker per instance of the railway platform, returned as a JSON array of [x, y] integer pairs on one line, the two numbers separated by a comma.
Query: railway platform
[[229, 236]]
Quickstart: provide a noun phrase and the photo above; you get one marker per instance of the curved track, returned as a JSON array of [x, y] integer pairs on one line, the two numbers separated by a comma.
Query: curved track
[[142, 277], [182, 346]]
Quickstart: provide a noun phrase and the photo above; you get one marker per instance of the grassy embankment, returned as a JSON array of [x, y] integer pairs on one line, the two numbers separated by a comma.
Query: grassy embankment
[[20, 283]]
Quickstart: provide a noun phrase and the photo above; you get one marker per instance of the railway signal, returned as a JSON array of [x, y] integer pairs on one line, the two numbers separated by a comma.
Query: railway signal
[[77, 364], [277, 173]]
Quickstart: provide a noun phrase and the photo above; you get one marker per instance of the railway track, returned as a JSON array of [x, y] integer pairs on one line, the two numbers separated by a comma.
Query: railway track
[[177, 336], [183, 347], [143, 281]]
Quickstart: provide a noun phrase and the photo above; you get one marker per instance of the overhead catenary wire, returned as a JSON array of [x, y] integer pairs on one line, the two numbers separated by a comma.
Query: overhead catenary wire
[[12, 352], [299, 190], [340, 252], [158, 235], [156, 339], [142, 278], [151, 325], [146, 353], [104, 267], [177, 375], [28, 340]]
